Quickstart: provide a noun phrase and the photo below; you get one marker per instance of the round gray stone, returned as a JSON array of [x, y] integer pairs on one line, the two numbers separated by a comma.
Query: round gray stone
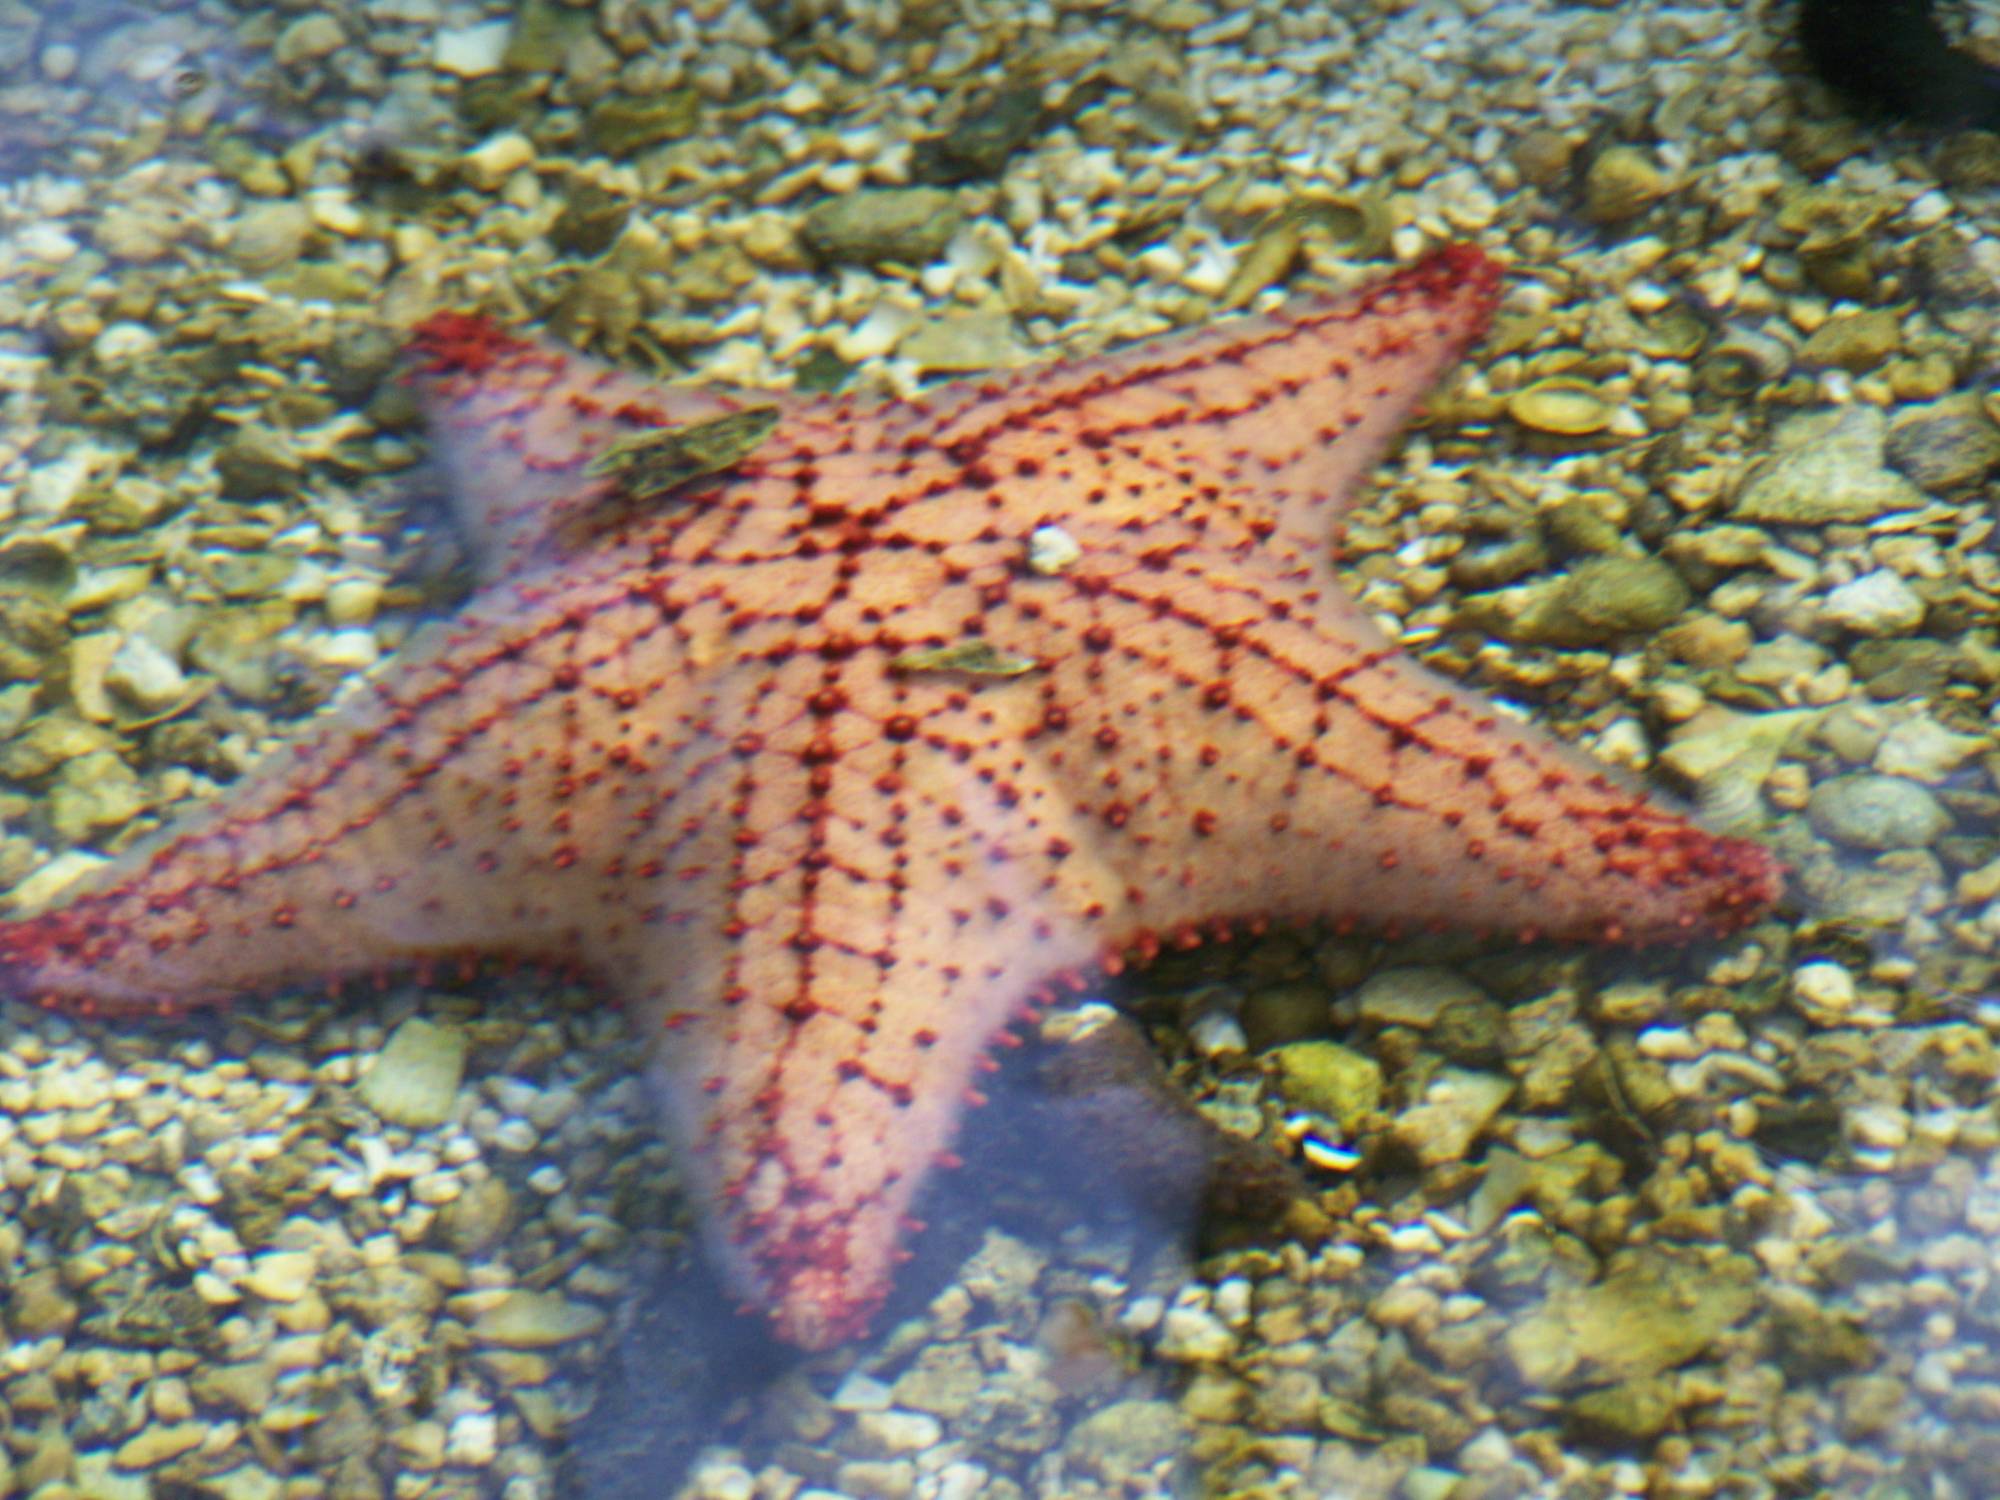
[[1869, 811]]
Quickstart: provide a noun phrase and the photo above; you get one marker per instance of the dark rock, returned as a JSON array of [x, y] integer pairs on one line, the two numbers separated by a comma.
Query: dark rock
[[992, 129], [1944, 445], [590, 220], [1625, 1415], [877, 226], [621, 127]]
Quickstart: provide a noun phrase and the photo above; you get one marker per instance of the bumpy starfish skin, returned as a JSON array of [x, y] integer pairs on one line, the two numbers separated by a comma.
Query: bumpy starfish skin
[[728, 751]]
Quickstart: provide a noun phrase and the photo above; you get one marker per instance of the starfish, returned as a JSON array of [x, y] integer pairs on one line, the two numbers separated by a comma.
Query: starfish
[[826, 734]]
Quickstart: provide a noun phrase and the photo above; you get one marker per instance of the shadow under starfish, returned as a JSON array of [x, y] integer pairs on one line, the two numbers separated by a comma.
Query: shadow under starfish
[[1084, 1136]]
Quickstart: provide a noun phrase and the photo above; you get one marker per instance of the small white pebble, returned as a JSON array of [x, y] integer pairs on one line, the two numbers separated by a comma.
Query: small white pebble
[[47, 242], [1669, 1044], [471, 51], [1194, 1335], [1824, 985], [1418, 1239], [860, 1392], [474, 1439], [1051, 550], [1232, 1301], [1143, 1314], [336, 214], [121, 343], [1927, 210], [215, 1291], [281, 1275], [1881, 1127], [488, 165], [515, 1135], [547, 1179], [355, 649]]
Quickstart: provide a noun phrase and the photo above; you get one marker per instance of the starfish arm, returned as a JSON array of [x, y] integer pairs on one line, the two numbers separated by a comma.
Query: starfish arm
[[476, 801], [1193, 723], [1218, 732], [834, 991], [518, 422], [1275, 419]]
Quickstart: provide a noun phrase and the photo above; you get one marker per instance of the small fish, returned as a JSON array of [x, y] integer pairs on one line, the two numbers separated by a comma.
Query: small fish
[[979, 658], [651, 465]]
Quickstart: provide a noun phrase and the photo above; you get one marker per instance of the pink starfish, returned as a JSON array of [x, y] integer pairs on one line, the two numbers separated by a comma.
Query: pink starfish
[[828, 761]]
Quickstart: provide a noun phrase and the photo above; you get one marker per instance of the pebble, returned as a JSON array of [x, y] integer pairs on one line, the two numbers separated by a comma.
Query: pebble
[[144, 675], [281, 1275], [308, 39], [170, 1399], [46, 242], [1413, 996], [1621, 183], [1876, 604], [352, 601], [515, 1135], [1864, 810], [621, 127], [1125, 1440], [870, 1479], [1193, 1335], [1827, 467], [1455, 1107], [488, 165], [123, 344], [877, 226], [97, 1474], [715, 1479], [422, 1445], [1653, 1309], [962, 1481], [877, 334], [92, 792], [471, 51], [473, 1439], [1599, 602], [1944, 445], [1269, 1017], [415, 1079], [966, 342], [884, 1434], [1924, 750], [160, 1443], [1331, 1080], [535, 1320], [860, 1392], [1621, 1415], [40, 1308], [349, 650], [270, 236], [1824, 992], [245, 1482], [1879, 1127], [1855, 341], [1217, 1035]]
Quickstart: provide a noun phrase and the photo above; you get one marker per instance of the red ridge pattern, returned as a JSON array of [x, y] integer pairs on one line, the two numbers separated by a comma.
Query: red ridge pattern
[[697, 753]]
